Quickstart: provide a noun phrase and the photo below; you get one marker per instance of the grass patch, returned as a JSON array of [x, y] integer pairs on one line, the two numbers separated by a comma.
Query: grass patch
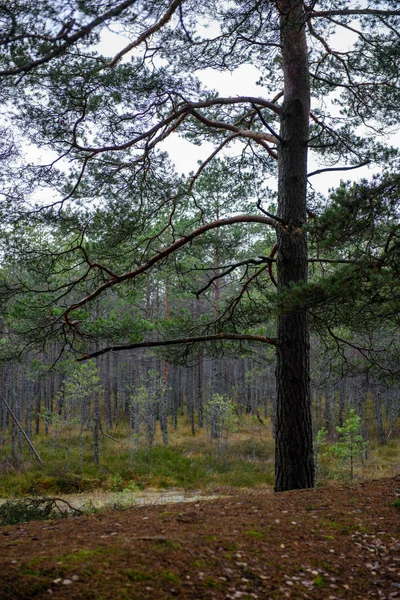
[[28, 571], [213, 583], [171, 577], [167, 545], [230, 547], [81, 555], [255, 534], [333, 525], [319, 581], [135, 575], [199, 563]]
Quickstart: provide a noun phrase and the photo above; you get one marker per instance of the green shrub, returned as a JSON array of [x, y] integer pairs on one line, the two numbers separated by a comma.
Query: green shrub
[[350, 447], [28, 509]]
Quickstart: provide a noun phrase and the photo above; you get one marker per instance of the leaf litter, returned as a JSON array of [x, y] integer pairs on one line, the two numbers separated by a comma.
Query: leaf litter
[[337, 542]]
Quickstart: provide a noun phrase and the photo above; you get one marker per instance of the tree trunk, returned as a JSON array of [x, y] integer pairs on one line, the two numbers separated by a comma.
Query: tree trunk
[[96, 428], [107, 391], [199, 372], [294, 463], [199, 391]]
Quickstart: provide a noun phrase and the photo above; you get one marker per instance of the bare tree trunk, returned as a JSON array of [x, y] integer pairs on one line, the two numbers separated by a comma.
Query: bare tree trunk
[[163, 407], [115, 386], [294, 462], [199, 372], [191, 402], [107, 390], [96, 427], [199, 391], [38, 407], [241, 385], [164, 404], [343, 397], [379, 418]]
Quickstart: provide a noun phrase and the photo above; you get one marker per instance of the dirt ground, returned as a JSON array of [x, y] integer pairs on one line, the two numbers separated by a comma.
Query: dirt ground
[[328, 543]]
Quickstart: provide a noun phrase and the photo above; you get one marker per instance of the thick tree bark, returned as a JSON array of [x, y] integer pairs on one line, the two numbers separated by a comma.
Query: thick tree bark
[[294, 464]]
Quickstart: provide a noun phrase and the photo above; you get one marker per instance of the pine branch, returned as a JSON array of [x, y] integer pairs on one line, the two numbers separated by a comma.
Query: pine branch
[[355, 11], [69, 40], [318, 171], [164, 254], [189, 340], [146, 34]]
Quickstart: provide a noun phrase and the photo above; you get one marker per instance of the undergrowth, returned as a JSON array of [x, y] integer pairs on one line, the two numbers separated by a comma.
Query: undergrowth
[[189, 462]]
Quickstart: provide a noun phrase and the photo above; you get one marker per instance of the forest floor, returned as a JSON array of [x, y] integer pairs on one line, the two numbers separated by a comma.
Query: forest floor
[[333, 542]]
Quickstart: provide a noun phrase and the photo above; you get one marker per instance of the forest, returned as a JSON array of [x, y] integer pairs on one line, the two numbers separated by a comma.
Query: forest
[[233, 324]]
